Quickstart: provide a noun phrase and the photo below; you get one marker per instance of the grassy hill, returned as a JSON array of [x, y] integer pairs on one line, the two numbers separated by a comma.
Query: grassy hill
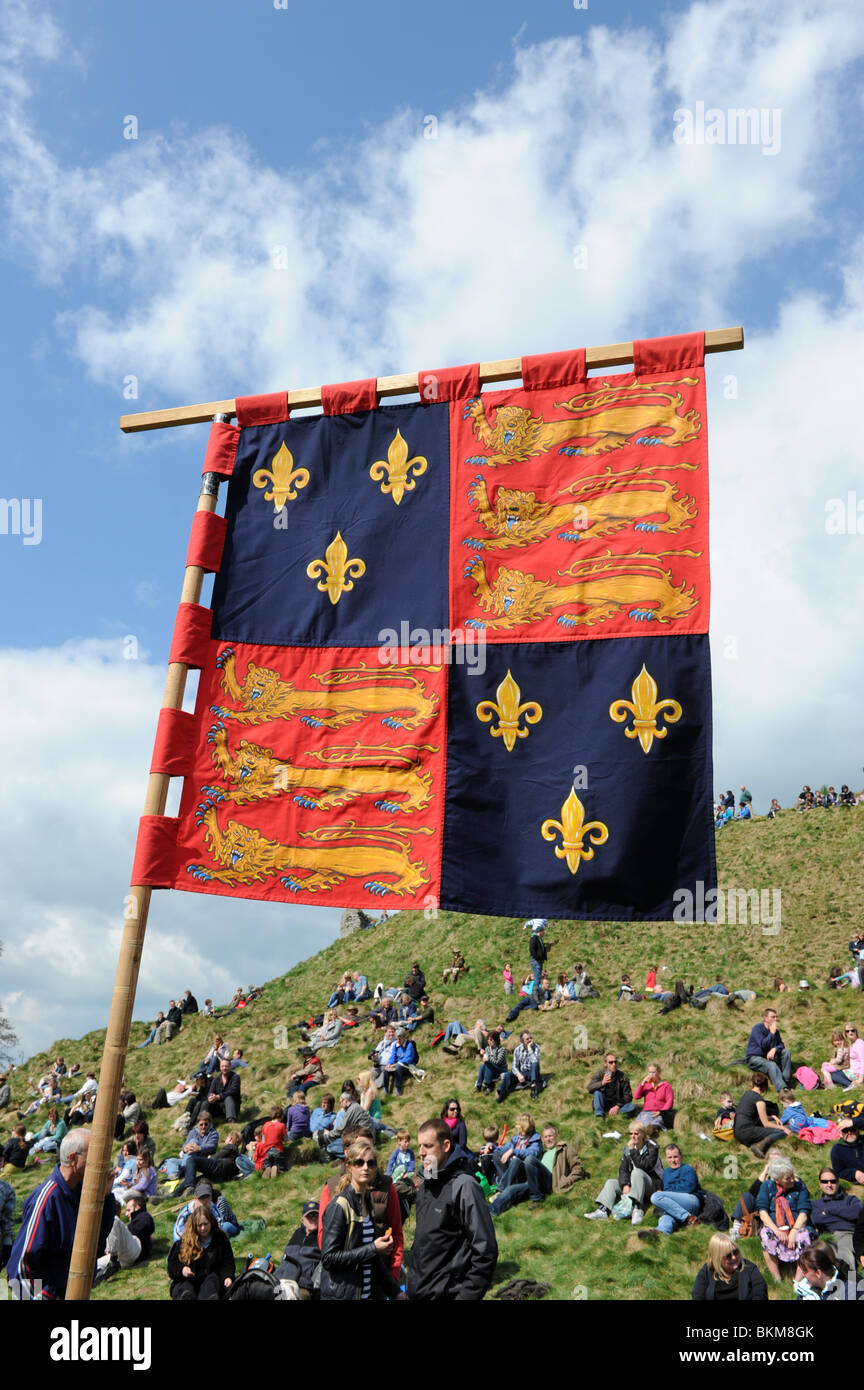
[[815, 859]]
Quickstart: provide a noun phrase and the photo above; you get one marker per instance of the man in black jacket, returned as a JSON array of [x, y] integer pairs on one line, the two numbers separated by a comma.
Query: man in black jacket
[[610, 1090], [455, 1250], [415, 982], [189, 1004], [172, 1024], [224, 1095]]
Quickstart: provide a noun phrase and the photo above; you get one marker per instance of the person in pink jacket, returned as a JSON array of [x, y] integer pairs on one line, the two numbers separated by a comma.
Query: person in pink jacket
[[656, 1096]]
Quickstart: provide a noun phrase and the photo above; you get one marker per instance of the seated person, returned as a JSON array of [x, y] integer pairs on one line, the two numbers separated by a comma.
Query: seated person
[[218, 1167], [125, 1168], [725, 1117], [323, 1115], [202, 1138], [206, 1196], [15, 1151], [834, 1215], [510, 1159], [638, 1177], [201, 1261], [493, 1063], [610, 1091], [847, 1155], [151, 1036], [456, 968], [679, 1200], [297, 1118], [360, 987], [626, 990], [727, 1275], [425, 1014], [755, 1125], [223, 1098], [525, 1070], [210, 1064], [784, 1209], [329, 1033], [270, 1152], [402, 1169], [49, 1138], [122, 1248], [402, 1057], [309, 1075], [555, 1169], [407, 1011], [657, 1097]]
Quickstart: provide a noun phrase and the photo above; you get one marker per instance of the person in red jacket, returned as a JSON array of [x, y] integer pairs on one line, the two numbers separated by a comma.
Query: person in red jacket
[[386, 1207]]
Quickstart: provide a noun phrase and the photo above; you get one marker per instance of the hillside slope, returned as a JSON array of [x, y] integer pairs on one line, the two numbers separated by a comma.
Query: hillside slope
[[815, 860]]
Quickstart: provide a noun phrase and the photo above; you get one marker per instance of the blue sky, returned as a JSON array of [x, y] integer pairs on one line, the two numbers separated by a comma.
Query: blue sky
[[306, 128]]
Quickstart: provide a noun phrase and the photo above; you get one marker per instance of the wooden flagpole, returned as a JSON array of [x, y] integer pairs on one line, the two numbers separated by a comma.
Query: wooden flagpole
[[507, 369], [84, 1250]]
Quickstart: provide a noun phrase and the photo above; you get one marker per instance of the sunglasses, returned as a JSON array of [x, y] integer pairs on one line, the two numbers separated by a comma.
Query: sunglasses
[[365, 1163], [851, 1030], [828, 1182]]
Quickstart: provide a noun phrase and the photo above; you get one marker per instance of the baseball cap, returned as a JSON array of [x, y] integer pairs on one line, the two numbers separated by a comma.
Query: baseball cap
[[309, 1208], [203, 1189]]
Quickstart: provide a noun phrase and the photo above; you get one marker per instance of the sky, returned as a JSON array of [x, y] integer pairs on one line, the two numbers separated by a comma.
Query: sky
[[215, 198]]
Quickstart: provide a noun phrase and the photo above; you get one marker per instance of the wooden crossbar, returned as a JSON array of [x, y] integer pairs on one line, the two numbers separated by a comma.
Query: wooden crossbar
[[508, 369]]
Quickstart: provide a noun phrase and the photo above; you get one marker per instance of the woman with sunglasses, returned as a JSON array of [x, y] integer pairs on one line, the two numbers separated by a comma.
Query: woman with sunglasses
[[727, 1276], [451, 1114], [353, 1260]]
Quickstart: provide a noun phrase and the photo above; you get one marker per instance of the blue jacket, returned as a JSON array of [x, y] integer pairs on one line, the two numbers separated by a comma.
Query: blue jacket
[[43, 1247], [798, 1198], [683, 1179], [835, 1213], [321, 1119], [403, 1158], [406, 1053], [760, 1041], [207, 1143], [525, 1146]]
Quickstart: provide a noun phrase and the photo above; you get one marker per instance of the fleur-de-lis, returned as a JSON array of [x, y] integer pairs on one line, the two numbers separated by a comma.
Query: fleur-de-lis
[[506, 705], [397, 468], [284, 477], [338, 569], [573, 829], [645, 708]]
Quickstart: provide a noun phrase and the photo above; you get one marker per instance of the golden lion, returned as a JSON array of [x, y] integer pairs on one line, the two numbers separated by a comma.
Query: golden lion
[[333, 854], [604, 419], [602, 505], [396, 692], [254, 773], [606, 585]]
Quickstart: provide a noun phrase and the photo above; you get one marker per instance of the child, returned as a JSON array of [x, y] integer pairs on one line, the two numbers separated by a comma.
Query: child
[[651, 979], [401, 1167], [509, 985], [724, 1120], [485, 1160], [794, 1115], [401, 1163], [726, 1113]]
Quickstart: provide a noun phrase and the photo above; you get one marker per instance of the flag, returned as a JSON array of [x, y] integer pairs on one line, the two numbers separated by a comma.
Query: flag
[[458, 649]]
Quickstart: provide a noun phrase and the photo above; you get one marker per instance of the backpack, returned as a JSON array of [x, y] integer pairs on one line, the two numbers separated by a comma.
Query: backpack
[[808, 1079], [713, 1213], [260, 1284], [851, 1109]]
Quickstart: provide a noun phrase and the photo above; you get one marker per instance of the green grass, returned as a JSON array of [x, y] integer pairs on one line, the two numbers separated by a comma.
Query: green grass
[[816, 861]]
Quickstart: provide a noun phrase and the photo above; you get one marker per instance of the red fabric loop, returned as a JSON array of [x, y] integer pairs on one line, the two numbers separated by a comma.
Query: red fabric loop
[[155, 852], [175, 742], [449, 383], [656, 355], [206, 541], [554, 369], [350, 397], [262, 410], [191, 635], [221, 449]]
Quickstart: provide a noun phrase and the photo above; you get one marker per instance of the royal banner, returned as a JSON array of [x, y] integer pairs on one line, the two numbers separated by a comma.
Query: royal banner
[[458, 649]]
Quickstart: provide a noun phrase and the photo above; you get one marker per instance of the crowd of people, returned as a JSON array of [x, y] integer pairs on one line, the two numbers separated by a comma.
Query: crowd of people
[[807, 800], [350, 1240]]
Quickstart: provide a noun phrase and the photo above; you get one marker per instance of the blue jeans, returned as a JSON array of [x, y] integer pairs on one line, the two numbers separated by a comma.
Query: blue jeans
[[778, 1071], [523, 1178], [600, 1106], [674, 1207], [452, 1030], [536, 972], [488, 1074], [509, 1080]]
